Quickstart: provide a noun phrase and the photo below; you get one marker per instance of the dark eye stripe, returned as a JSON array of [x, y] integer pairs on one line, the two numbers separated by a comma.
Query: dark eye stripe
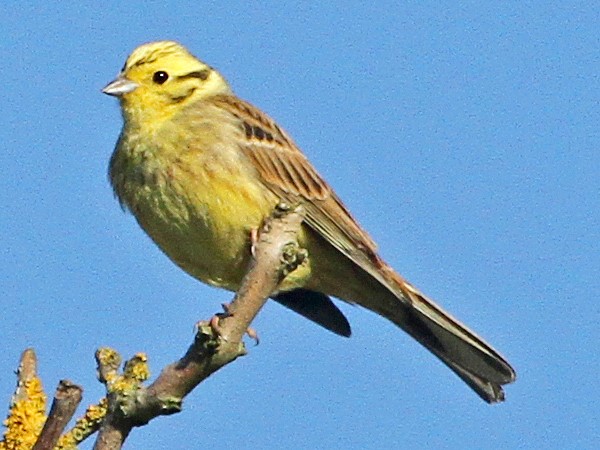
[[201, 74]]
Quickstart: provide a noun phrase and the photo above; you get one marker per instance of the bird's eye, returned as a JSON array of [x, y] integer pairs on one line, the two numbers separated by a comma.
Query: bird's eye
[[160, 77]]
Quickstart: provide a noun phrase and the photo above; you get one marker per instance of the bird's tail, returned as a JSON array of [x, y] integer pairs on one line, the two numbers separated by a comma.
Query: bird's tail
[[471, 358], [374, 285]]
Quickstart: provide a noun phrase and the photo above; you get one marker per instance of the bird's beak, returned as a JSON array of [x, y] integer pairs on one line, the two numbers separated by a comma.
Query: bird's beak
[[120, 86]]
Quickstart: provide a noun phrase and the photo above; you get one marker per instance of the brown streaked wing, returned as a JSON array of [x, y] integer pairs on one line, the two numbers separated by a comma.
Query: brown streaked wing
[[288, 174]]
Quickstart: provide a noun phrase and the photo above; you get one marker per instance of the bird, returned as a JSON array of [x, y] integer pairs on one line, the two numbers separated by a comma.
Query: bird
[[200, 169]]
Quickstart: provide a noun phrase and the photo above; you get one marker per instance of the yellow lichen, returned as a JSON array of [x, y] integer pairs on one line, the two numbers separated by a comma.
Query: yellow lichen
[[26, 417], [137, 368], [84, 427]]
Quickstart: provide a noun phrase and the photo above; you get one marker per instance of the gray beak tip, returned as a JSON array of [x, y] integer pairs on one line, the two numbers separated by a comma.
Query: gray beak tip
[[120, 86]]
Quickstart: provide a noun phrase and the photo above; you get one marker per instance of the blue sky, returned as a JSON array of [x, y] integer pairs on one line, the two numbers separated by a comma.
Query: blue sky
[[463, 137]]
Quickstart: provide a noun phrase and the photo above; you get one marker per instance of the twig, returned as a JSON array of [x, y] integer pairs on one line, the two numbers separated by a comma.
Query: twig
[[27, 371], [66, 400], [28, 406]]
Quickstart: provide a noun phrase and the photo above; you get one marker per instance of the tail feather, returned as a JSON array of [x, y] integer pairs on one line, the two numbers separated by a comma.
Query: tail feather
[[489, 391], [472, 359]]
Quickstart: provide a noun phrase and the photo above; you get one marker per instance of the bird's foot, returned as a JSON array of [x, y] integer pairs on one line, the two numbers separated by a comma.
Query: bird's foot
[[253, 241], [215, 325]]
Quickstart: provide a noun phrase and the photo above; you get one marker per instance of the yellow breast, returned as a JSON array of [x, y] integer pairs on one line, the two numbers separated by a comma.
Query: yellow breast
[[196, 198]]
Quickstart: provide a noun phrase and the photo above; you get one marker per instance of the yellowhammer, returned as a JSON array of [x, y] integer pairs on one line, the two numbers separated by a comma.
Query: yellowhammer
[[200, 169]]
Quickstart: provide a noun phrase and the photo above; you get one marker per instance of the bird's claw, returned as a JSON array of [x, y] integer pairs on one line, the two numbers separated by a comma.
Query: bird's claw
[[215, 326], [252, 334], [253, 241]]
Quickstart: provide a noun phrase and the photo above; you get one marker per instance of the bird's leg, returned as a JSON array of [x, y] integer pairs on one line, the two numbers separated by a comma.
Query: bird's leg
[[253, 241], [227, 312], [214, 320]]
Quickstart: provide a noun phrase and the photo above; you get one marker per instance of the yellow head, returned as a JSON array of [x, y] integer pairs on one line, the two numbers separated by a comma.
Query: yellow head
[[158, 78]]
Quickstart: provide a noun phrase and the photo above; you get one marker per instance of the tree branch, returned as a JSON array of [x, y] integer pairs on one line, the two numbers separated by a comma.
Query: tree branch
[[276, 253], [27, 412], [66, 400]]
